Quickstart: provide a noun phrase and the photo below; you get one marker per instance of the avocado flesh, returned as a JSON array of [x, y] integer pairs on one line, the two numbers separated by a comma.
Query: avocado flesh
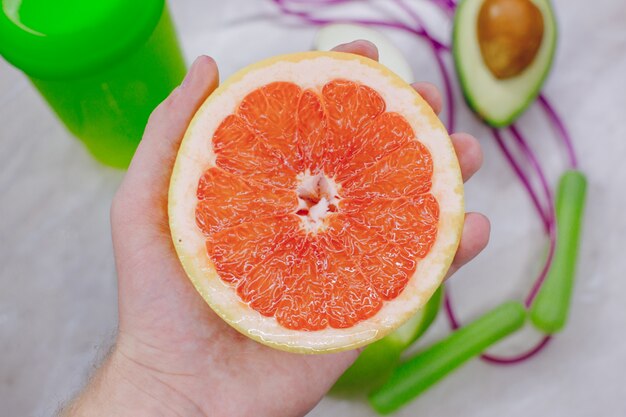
[[499, 102]]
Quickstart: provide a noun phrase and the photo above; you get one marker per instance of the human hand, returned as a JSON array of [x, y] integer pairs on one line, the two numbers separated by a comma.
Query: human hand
[[173, 354]]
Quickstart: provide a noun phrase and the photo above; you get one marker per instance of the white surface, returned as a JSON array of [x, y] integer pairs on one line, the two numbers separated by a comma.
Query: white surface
[[57, 281]]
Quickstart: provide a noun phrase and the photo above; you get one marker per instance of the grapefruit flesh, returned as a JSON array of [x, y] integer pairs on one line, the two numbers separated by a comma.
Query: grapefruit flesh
[[316, 202]]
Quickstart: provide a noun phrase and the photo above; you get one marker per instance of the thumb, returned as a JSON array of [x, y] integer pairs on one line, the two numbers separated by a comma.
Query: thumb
[[141, 201]]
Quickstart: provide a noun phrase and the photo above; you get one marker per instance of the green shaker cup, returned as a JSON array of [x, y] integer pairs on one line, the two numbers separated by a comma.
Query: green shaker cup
[[102, 65]]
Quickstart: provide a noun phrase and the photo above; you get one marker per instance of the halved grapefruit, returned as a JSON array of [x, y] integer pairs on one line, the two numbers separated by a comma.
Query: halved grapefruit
[[316, 201]]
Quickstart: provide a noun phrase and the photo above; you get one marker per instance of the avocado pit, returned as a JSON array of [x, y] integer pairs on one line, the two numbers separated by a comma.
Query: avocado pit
[[510, 33]]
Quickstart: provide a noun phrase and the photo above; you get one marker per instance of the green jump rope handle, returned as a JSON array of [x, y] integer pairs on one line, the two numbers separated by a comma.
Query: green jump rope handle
[[549, 310], [422, 371]]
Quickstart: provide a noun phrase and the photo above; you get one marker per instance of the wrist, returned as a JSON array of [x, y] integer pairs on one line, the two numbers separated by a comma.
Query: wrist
[[123, 388]]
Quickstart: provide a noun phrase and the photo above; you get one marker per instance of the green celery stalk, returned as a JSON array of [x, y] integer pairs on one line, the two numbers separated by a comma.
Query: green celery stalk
[[422, 371], [550, 309]]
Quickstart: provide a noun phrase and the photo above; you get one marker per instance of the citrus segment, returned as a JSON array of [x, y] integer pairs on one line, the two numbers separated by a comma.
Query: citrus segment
[[312, 129], [226, 200], [327, 202], [388, 264], [268, 112], [410, 227], [410, 222], [303, 304], [241, 153], [405, 172], [237, 250], [265, 284], [385, 134], [344, 125], [352, 297]]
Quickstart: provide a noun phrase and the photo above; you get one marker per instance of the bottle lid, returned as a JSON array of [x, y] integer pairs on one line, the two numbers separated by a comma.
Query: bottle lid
[[63, 38]]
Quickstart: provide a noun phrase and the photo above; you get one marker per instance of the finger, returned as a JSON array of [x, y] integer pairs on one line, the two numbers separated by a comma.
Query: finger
[[152, 164], [474, 239], [469, 153], [431, 94], [359, 47]]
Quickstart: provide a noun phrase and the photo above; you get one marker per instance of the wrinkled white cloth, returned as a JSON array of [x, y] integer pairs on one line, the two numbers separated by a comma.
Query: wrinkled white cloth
[[57, 281]]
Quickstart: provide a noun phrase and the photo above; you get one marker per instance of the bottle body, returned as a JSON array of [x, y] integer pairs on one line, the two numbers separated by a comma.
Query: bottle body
[[107, 109]]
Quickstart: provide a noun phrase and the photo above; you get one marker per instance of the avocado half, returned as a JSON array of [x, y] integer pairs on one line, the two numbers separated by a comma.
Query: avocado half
[[499, 102]]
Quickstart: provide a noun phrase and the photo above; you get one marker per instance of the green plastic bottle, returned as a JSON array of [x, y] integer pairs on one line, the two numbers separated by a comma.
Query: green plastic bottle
[[102, 65]]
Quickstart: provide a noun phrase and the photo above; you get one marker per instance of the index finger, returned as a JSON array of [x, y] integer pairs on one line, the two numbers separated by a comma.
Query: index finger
[[359, 47], [146, 182]]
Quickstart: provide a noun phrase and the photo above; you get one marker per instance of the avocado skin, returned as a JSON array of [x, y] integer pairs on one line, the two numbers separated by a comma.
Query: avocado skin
[[464, 82]]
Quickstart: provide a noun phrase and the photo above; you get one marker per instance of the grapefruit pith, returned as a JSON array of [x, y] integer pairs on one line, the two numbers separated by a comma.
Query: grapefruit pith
[[316, 202]]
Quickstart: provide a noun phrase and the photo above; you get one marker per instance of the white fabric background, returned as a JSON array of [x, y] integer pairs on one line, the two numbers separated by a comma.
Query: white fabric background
[[57, 281]]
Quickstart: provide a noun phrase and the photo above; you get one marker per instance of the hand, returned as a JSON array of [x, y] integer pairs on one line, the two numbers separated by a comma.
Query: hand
[[173, 355]]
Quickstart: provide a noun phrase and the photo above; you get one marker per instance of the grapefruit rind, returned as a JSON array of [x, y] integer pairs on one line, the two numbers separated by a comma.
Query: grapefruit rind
[[313, 70]]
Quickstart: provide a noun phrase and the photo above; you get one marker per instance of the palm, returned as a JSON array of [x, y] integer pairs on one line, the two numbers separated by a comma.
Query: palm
[[167, 330]]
